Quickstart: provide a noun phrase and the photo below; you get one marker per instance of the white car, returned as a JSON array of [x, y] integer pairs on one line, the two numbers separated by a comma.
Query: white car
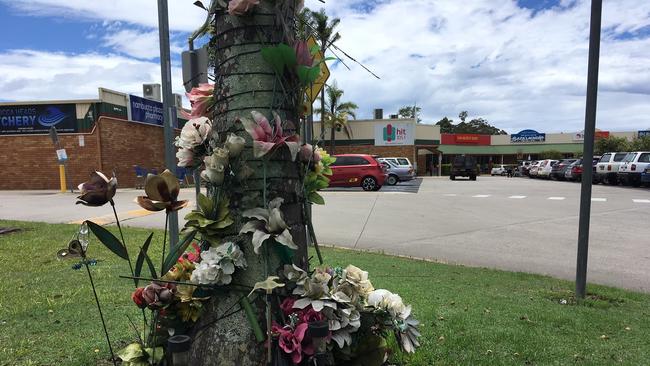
[[499, 170], [608, 165], [545, 167], [532, 172], [399, 170], [633, 165]]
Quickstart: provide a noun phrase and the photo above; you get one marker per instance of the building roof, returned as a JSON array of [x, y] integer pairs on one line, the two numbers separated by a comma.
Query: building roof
[[509, 149]]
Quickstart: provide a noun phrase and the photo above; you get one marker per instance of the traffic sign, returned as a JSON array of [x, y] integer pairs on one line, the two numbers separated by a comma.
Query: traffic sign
[[313, 91]]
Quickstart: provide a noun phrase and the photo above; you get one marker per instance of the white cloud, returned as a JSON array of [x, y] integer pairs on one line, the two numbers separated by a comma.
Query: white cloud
[[498, 62], [35, 75], [138, 44]]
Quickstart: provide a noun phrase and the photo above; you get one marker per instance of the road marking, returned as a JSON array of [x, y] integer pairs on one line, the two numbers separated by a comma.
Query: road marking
[[481, 196], [110, 218], [450, 194], [517, 197], [556, 198], [594, 199], [640, 201]]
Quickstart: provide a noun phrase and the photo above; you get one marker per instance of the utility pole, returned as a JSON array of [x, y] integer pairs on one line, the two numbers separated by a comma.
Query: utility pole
[[588, 148], [169, 109]]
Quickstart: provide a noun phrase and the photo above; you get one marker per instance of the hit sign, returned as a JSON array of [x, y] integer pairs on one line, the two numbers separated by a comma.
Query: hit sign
[[389, 134]]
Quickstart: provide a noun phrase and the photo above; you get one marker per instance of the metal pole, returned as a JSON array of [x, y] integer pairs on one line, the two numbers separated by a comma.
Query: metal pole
[[168, 107], [588, 148]]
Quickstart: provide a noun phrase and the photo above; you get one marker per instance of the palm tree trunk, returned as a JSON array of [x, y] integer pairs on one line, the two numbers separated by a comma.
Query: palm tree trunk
[[244, 82], [322, 102]]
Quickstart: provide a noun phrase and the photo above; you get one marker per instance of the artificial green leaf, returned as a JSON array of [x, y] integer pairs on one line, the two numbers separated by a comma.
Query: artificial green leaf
[[205, 204], [308, 75], [221, 224], [140, 261], [279, 57], [316, 198], [224, 209], [108, 239], [194, 215], [158, 354], [176, 252], [131, 352]]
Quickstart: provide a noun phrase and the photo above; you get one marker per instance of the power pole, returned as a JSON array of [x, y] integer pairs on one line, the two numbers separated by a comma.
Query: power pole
[[588, 148], [169, 109]]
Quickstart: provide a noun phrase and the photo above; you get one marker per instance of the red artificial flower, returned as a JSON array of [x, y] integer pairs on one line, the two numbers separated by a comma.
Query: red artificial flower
[[195, 256], [308, 315], [303, 54], [287, 306], [137, 298]]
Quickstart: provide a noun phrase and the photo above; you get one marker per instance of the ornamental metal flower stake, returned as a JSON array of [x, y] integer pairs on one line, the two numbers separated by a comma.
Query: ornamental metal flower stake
[[77, 249]]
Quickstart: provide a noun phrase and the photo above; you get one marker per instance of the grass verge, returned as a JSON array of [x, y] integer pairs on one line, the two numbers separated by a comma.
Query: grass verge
[[469, 316]]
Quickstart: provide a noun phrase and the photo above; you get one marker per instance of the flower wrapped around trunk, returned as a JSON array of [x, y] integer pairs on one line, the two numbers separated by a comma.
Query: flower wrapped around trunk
[[268, 223], [98, 190], [162, 193], [267, 139], [202, 101]]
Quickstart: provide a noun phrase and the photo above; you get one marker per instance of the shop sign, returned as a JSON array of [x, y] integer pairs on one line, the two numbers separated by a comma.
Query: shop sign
[[644, 133], [38, 119], [598, 134], [394, 134], [146, 110], [528, 136]]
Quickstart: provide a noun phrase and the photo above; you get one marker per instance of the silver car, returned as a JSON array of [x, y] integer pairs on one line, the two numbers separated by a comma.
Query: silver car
[[399, 170]]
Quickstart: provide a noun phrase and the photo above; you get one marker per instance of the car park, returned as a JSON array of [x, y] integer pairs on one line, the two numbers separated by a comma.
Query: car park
[[634, 163], [545, 167], [499, 170], [608, 166], [524, 167], [398, 172], [354, 170], [558, 169], [575, 170]]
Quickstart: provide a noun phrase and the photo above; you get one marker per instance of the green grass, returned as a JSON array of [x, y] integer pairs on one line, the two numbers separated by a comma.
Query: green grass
[[469, 316]]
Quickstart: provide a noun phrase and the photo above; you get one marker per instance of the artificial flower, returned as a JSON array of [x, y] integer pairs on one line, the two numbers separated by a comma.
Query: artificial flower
[[158, 295], [287, 306], [235, 144], [309, 153], [162, 193], [98, 190], [137, 298], [268, 223], [241, 7], [267, 285], [303, 54], [202, 101], [215, 166], [185, 157], [194, 133], [218, 264], [290, 341], [267, 139]]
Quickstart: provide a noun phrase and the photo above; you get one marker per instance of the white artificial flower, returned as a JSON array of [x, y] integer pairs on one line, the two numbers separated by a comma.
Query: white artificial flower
[[194, 133]]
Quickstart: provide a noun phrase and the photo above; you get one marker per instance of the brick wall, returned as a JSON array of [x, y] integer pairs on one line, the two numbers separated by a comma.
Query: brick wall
[[29, 162]]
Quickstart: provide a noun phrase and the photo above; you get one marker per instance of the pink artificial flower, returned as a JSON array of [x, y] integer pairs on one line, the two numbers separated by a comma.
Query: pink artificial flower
[[287, 306], [308, 153], [202, 101], [303, 55], [308, 315], [240, 7], [195, 256], [266, 138], [291, 341]]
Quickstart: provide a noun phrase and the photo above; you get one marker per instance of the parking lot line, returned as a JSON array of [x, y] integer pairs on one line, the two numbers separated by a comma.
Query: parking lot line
[[640, 201], [450, 194], [594, 199], [556, 198], [481, 196], [517, 197]]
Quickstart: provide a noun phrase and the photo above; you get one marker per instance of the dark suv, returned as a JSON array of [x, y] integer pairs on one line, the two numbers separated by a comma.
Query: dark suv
[[463, 166], [558, 170], [354, 170]]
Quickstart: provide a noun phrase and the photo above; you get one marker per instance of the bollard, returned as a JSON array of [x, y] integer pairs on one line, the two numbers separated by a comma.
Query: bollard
[[62, 177]]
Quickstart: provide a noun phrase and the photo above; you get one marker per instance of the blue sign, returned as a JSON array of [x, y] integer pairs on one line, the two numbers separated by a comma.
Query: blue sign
[[37, 119], [146, 110], [528, 136], [644, 133]]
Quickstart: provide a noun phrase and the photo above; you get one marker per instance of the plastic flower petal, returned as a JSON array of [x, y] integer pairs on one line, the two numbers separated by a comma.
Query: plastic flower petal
[[162, 193], [98, 190], [267, 285], [241, 7], [267, 223], [202, 101], [267, 139]]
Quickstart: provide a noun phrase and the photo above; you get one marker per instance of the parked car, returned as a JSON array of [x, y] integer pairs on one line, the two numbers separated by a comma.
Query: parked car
[[545, 167], [499, 170], [558, 170], [608, 165], [575, 170], [645, 176], [524, 167], [398, 172], [354, 170], [463, 166], [633, 165], [532, 171]]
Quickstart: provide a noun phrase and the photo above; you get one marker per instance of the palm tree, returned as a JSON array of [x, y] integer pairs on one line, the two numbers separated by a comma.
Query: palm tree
[[326, 34], [335, 113]]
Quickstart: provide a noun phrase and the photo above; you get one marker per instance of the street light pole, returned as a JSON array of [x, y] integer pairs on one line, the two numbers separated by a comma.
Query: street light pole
[[588, 148], [169, 109]]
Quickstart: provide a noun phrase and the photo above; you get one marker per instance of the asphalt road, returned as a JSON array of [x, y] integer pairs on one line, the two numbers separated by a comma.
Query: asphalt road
[[515, 224]]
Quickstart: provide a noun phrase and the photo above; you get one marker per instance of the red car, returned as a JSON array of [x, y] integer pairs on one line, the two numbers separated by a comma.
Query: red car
[[354, 170]]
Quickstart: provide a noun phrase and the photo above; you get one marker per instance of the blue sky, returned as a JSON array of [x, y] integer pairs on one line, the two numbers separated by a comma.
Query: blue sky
[[520, 64]]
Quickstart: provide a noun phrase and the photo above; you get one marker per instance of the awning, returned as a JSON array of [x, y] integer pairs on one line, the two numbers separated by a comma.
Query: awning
[[509, 149]]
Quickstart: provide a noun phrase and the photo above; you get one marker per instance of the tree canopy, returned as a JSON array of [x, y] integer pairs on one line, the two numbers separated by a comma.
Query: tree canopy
[[410, 112], [476, 125]]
